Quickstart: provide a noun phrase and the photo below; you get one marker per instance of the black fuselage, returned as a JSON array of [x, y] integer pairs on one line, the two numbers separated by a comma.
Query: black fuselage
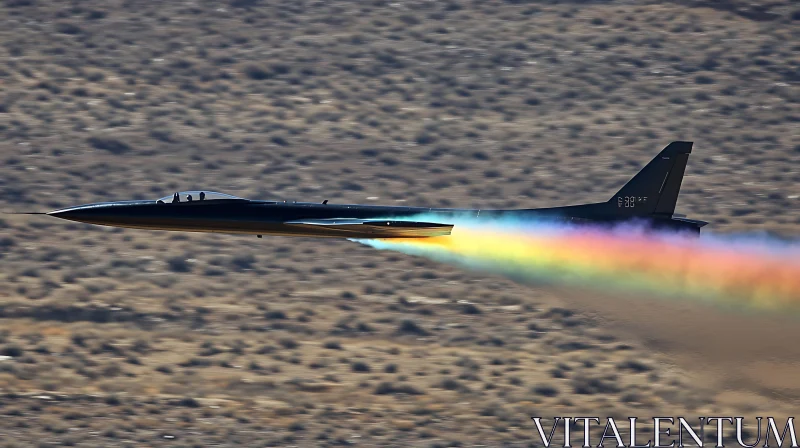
[[649, 198], [242, 216]]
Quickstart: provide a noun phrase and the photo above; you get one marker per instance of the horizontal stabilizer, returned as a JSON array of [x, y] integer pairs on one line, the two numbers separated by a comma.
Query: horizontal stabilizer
[[363, 228], [696, 222]]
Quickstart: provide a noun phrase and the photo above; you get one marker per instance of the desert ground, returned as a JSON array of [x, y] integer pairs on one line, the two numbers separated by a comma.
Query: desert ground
[[113, 337]]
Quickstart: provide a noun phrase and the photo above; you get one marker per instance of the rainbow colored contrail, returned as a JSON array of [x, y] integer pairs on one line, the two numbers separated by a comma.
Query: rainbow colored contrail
[[755, 272]]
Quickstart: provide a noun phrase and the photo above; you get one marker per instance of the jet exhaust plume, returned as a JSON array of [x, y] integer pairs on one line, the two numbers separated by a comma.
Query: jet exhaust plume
[[750, 271]]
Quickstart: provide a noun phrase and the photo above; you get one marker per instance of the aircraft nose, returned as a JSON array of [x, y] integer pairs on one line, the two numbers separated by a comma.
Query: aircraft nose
[[101, 213], [81, 213]]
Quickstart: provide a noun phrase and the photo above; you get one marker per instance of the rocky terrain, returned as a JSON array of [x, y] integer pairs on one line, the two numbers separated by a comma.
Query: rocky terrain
[[114, 337]]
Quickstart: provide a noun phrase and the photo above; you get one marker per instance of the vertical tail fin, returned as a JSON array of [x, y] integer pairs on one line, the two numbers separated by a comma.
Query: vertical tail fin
[[654, 190]]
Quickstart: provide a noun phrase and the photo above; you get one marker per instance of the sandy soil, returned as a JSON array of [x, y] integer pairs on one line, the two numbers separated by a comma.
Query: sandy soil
[[742, 355], [131, 338]]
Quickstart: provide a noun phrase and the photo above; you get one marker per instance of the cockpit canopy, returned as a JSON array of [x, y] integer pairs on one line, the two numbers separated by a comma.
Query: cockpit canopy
[[195, 195]]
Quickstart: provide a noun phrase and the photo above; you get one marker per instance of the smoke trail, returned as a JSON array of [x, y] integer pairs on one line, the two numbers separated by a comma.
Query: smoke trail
[[745, 270]]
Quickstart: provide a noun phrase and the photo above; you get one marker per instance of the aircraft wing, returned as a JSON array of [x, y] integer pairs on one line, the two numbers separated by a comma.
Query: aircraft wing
[[372, 228]]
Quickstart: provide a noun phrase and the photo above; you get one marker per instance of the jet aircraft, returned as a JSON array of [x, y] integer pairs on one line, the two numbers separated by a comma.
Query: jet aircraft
[[649, 197]]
